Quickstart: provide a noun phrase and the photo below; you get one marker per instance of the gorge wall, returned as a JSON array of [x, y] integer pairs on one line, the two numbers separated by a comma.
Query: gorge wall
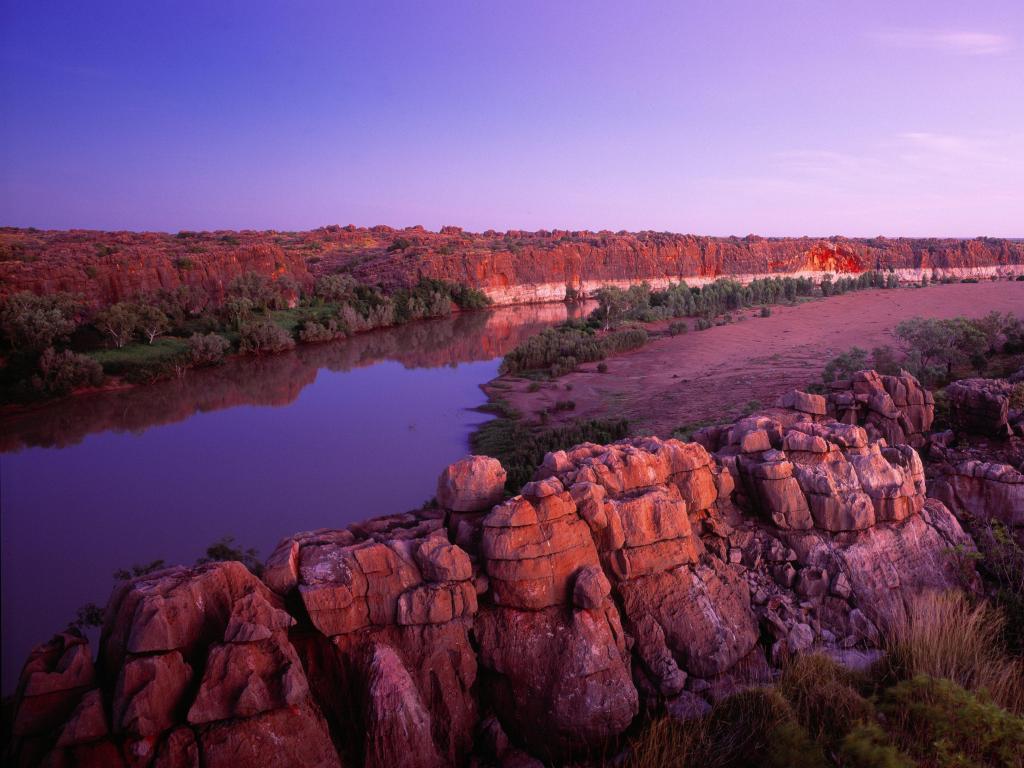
[[644, 576], [511, 267]]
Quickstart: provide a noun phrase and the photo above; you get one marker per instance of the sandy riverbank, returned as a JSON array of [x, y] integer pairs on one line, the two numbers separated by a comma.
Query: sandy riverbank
[[712, 375]]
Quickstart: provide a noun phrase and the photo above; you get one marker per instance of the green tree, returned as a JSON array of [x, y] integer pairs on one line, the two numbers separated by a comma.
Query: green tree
[[118, 321], [152, 322], [32, 323]]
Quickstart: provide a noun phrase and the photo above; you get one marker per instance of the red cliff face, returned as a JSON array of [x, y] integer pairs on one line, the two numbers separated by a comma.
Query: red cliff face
[[511, 266]]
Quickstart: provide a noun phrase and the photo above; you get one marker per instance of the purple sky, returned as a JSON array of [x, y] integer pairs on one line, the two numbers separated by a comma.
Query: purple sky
[[714, 117]]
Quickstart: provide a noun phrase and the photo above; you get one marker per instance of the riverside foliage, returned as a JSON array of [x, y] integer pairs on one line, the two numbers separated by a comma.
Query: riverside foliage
[[55, 344]]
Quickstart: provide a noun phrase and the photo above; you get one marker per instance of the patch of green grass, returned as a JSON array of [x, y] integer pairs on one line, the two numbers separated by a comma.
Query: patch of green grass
[[140, 358]]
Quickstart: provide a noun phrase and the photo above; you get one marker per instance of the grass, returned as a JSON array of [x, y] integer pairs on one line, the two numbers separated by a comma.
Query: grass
[[945, 636], [133, 358]]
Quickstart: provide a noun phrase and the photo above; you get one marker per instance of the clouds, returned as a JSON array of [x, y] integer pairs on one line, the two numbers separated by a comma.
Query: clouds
[[960, 42]]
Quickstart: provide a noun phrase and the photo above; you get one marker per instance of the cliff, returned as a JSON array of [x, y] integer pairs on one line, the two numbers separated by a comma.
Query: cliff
[[639, 576], [512, 267]]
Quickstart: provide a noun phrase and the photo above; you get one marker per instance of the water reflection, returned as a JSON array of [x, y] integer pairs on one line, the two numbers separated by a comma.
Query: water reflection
[[277, 380]]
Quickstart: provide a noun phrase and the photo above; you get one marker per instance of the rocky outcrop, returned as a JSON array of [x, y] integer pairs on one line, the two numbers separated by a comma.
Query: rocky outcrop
[[894, 408], [646, 575], [981, 407], [983, 490], [512, 267]]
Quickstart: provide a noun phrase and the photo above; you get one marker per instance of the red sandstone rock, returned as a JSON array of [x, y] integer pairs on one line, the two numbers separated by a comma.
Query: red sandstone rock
[[474, 484], [980, 406], [542, 265]]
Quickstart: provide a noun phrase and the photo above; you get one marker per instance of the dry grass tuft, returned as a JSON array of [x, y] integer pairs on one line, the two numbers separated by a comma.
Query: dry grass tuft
[[946, 636]]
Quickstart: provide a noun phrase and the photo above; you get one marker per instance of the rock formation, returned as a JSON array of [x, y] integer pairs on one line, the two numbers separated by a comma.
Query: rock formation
[[646, 575], [512, 267], [982, 407]]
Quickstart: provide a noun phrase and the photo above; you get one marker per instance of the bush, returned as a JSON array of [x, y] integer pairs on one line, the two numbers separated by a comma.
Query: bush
[[224, 550], [676, 328], [868, 746], [565, 405], [207, 348], [602, 367], [941, 723], [33, 323], [843, 366], [704, 323], [883, 360], [62, 372], [312, 331], [264, 336], [766, 312], [400, 244]]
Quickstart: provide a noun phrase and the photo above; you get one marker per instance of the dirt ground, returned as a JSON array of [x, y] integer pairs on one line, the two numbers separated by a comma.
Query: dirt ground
[[716, 375]]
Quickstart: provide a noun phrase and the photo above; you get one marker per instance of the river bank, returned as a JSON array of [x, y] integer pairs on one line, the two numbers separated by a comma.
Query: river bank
[[689, 379]]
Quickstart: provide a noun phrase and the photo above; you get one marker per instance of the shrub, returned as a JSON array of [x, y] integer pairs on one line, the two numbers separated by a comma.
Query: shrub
[[33, 323], [224, 550], [766, 312], [312, 331], [844, 365], [704, 323], [883, 360], [264, 336], [400, 244], [565, 405], [943, 635], [676, 328], [207, 348], [602, 367], [62, 372], [868, 746], [184, 263], [941, 723]]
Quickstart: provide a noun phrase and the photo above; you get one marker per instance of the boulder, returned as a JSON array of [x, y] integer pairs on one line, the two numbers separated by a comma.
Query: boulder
[[473, 484], [980, 406]]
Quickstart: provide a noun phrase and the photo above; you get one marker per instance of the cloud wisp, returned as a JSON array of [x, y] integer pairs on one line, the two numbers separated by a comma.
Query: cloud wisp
[[962, 42]]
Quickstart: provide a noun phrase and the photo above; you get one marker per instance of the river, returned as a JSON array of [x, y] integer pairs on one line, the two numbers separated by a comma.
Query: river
[[255, 449]]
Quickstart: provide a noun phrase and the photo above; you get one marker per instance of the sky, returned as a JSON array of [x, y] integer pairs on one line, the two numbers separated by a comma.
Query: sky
[[718, 117]]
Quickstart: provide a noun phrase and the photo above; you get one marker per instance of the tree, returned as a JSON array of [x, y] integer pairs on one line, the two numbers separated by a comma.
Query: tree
[[335, 289], [32, 323], [935, 346], [152, 322], [118, 321], [612, 304], [237, 311]]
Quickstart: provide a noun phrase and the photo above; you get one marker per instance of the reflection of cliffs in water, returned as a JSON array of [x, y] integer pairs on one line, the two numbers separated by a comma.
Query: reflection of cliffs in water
[[277, 380]]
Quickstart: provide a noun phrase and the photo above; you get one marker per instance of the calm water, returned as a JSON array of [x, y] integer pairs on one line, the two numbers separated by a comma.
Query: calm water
[[256, 449]]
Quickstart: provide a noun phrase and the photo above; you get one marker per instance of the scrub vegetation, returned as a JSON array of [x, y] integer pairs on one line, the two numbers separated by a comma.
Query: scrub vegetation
[[53, 345]]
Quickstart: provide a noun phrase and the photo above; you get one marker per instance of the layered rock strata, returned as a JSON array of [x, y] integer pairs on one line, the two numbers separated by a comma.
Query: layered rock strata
[[511, 267]]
